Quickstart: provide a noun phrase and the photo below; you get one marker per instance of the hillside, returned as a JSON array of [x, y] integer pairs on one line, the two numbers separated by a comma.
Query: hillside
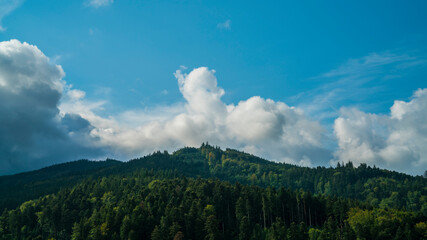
[[381, 188], [15, 189], [160, 205], [209, 193]]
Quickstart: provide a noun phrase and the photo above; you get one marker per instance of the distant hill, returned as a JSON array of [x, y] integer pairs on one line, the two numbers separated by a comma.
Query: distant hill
[[15, 189]]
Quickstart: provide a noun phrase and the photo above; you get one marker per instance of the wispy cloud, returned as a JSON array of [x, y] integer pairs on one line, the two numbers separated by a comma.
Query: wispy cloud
[[224, 25], [353, 81], [6, 7], [370, 64], [99, 3]]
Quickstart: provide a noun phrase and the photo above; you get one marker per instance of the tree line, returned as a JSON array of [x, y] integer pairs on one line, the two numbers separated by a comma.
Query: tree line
[[158, 205]]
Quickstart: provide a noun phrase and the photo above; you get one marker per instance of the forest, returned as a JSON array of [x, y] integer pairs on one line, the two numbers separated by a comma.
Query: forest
[[210, 193]]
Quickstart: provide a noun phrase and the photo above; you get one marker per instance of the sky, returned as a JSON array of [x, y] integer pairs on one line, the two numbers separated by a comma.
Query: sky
[[302, 82]]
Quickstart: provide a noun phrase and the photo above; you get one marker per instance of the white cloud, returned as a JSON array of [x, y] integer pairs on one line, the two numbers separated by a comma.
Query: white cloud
[[6, 7], [75, 94], [224, 25], [45, 121], [32, 132], [396, 141], [259, 126], [99, 3]]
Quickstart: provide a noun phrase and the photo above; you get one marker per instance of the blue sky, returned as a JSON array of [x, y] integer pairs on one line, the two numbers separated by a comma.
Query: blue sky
[[320, 57], [271, 50]]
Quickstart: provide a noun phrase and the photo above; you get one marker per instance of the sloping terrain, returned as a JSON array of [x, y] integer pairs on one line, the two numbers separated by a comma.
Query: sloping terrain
[[378, 187]]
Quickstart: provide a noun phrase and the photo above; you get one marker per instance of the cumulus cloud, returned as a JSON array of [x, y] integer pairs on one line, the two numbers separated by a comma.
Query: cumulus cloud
[[396, 141], [43, 121], [99, 3], [32, 132], [259, 126]]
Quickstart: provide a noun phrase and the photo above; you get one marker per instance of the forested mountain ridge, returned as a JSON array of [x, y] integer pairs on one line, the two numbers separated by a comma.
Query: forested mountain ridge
[[380, 188], [209, 193]]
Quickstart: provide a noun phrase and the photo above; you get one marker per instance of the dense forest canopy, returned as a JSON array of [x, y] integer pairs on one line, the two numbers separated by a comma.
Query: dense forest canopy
[[209, 193]]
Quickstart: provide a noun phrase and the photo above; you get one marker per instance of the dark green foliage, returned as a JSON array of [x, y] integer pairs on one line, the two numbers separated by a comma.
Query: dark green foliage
[[207, 193], [18, 188], [381, 188], [157, 205]]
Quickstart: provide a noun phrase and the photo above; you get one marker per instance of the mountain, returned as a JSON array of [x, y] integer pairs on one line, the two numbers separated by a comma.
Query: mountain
[[377, 186], [211, 193]]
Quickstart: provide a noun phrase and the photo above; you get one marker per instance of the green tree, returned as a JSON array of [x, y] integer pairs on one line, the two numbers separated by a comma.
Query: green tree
[[211, 228], [244, 229]]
